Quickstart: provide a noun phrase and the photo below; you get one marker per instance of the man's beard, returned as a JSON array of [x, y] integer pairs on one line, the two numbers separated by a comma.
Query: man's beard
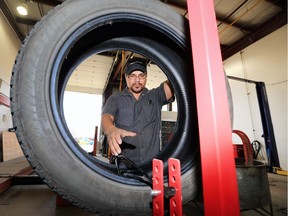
[[137, 90]]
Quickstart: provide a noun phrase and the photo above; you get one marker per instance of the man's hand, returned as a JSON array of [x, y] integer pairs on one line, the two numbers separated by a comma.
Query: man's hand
[[114, 138]]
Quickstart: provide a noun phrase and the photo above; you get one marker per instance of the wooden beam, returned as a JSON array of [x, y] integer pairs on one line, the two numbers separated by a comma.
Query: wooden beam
[[26, 21], [281, 4], [263, 30], [49, 2], [236, 25]]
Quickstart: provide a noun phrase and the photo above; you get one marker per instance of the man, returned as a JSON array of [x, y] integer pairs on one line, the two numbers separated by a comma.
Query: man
[[131, 119]]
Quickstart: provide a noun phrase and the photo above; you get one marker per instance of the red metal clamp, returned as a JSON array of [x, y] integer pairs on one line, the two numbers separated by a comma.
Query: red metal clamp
[[173, 191]]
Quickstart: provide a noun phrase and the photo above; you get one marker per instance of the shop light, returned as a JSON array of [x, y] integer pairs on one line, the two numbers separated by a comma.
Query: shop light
[[22, 10]]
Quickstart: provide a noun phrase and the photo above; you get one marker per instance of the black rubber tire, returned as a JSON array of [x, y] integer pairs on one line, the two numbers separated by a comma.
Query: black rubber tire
[[53, 49]]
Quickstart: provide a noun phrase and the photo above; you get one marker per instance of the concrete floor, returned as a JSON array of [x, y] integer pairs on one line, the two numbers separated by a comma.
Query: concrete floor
[[36, 200]]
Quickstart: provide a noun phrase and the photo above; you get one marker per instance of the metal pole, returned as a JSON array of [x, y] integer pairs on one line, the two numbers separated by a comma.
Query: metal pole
[[95, 141], [218, 167], [269, 137]]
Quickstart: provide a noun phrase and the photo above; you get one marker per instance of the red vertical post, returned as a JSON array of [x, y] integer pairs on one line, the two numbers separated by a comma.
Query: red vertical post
[[175, 182], [218, 167], [95, 141], [158, 188]]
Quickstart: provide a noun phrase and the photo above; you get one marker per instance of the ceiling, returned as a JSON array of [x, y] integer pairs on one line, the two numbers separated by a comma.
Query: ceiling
[[240, 23]]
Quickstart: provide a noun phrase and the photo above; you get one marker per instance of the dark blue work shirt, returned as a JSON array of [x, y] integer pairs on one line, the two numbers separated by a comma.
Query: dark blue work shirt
[[142, 116]]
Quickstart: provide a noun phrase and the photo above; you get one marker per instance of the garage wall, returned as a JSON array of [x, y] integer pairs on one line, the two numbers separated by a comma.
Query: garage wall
[[9, 45], [266, 61]]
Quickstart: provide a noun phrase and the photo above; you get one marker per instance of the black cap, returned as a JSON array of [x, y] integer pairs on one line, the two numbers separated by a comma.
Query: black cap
[[135, 64]]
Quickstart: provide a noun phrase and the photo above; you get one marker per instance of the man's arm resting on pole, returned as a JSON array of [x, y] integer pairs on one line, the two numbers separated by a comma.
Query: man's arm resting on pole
[[169, 93]]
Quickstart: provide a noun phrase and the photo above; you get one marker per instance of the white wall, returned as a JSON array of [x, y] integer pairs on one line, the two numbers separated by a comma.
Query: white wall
[[266, 61], [9, 45]]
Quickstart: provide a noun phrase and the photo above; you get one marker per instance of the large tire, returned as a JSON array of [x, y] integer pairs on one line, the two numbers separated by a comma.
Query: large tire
[[53, 49]]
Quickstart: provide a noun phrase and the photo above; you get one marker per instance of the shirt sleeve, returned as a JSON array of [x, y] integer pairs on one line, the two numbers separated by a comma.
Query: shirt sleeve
[[162, 97], [110, 106]]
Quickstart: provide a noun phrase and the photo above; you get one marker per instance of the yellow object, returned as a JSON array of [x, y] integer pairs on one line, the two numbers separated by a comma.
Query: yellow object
[[279, 171]]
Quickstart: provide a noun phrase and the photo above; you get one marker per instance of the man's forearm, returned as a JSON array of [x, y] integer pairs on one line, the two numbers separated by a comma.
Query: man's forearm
[[107, 123]]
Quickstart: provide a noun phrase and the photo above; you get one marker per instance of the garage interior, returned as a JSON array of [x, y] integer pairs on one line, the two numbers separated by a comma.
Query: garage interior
[[253, 42]]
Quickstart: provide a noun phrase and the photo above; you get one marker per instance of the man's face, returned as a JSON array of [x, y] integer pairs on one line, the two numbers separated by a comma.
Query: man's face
[[136, 81]]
